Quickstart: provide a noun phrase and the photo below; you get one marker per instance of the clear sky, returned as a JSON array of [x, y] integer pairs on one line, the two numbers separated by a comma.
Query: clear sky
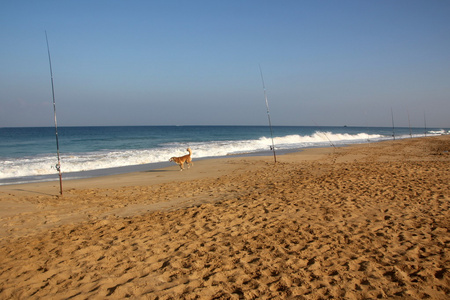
[[197, 62]]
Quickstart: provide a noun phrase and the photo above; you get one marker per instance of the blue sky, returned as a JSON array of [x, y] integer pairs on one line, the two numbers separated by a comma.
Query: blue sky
[[197, 62]]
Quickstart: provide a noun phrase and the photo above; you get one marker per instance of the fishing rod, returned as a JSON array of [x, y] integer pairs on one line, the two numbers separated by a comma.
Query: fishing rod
[[409, 123], [331, 143], [425, 123], [393, 127], [58, 165], [326, 136], [268, 115], [367, 128]]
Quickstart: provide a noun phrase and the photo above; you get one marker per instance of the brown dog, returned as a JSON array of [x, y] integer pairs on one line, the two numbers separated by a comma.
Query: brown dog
[[186, 159]]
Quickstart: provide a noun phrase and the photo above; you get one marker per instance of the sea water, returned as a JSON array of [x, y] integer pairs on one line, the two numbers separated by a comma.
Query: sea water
[[29, 154]]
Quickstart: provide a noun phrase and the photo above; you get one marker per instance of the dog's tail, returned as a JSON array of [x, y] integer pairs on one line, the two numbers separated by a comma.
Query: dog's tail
[[190, 151]]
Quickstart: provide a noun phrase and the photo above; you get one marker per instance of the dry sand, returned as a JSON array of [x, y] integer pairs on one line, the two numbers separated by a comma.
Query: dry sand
[[361, 222]]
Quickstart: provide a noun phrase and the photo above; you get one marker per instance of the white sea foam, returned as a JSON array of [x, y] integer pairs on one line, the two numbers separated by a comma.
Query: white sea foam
[[79, 162], [439, 132]]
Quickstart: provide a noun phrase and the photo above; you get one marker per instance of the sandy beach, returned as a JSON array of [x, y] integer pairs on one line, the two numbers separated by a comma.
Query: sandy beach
[[359, 222]]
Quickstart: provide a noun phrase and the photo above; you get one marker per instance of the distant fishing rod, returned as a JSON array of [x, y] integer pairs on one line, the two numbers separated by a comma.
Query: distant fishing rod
[[58, 165], [331, 143], [268, 115], [367, 128], [393, 127], [326, 136], [425, 123], [409, 123]]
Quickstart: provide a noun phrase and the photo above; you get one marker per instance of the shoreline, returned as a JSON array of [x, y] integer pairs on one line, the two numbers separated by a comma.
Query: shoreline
[[146, 167], [203, 169], [136, 168], [159, 168], [107, 169], [361, 221]]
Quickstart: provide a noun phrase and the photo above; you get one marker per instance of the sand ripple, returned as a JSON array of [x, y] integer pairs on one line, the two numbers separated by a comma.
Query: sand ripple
[[364, 222]]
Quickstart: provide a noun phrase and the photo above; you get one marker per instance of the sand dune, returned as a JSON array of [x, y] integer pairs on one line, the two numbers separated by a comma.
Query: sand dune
[[362, 222]]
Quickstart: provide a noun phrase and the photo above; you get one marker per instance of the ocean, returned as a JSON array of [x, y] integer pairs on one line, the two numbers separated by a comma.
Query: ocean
[[29, 154]]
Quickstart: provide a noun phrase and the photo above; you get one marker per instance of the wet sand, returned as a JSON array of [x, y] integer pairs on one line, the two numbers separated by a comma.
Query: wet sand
[[360, 222]]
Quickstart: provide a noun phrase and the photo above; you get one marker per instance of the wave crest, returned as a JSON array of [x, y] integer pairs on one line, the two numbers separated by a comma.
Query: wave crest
[[79, 162]]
